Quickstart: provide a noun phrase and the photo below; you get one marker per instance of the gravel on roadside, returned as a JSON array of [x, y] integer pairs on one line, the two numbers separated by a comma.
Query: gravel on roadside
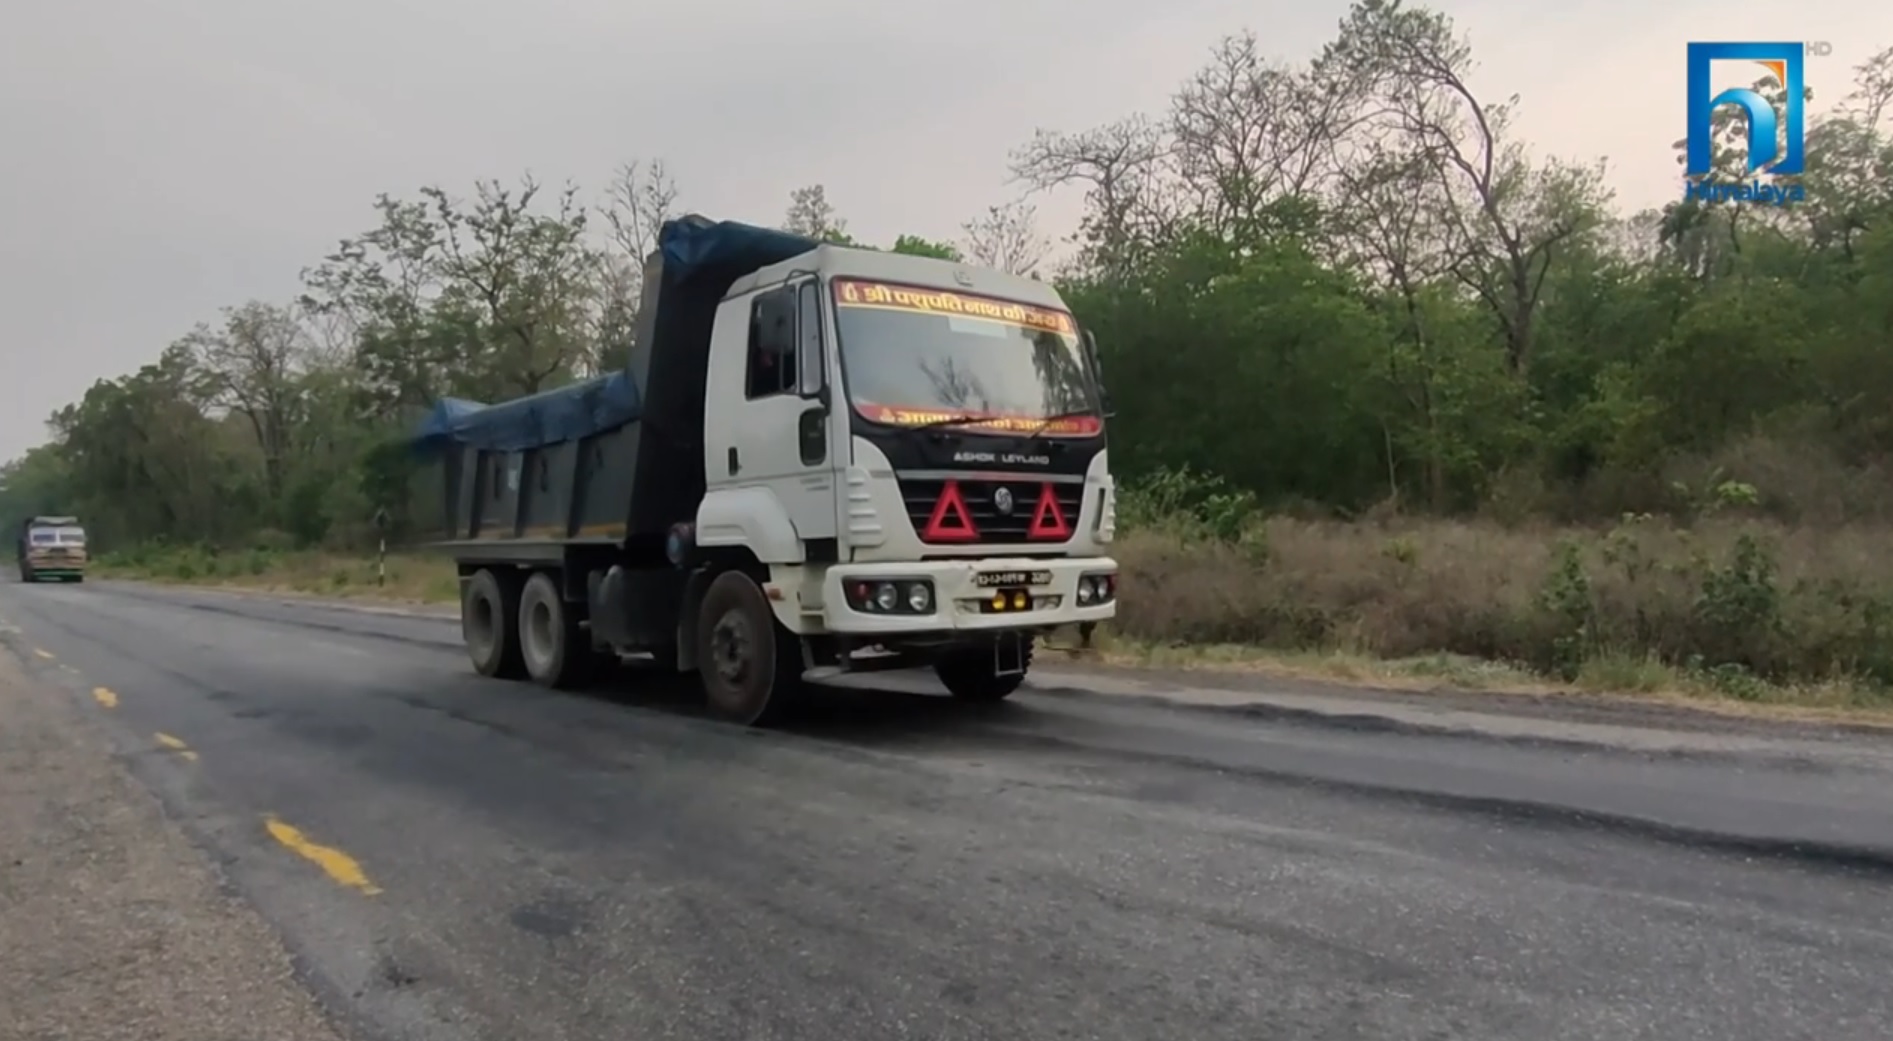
[[112, 924]]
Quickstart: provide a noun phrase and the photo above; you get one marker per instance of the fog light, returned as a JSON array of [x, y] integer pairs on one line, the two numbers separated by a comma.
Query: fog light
[[919, 598], [886, 596], [1085, 590]]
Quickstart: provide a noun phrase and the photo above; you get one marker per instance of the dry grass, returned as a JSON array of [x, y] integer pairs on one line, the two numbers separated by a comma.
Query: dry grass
[[1755, 611], [1744, 612], [409, 578]]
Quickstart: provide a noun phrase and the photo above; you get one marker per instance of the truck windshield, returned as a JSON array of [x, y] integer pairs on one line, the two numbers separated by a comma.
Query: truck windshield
[[915, 356]]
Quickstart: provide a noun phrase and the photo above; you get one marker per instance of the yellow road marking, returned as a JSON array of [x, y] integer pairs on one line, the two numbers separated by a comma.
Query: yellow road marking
[[105, 697], [48, 655], [176, 745], [338, 865]]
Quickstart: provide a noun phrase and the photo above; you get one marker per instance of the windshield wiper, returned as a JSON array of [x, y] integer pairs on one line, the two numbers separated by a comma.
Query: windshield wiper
[[1039, 431]]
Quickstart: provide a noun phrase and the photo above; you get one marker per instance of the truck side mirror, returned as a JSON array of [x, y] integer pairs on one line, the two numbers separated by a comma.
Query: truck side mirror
[[1097, 374], [811, 364]]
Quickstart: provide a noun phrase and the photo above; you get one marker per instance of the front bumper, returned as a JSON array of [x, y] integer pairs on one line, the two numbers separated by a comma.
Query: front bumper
[[957, 595]]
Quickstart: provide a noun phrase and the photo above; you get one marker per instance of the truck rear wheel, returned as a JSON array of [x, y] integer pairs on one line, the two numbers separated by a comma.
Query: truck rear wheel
[[556, 650], [489, 623], [751, 667], [973, 674]]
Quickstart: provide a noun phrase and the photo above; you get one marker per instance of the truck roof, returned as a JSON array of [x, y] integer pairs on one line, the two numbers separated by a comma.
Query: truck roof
[[53, 522]]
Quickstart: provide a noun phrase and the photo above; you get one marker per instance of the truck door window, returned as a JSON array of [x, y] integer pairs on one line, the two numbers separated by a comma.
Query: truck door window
[[771, 351]]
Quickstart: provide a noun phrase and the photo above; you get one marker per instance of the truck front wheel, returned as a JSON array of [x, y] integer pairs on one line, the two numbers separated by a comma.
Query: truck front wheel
[[557, 650], [751, 667], [489, 623], [984, 672]]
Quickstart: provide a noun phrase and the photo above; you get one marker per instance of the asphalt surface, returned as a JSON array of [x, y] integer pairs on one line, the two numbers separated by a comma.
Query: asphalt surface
[[452, 857], [112, 924]]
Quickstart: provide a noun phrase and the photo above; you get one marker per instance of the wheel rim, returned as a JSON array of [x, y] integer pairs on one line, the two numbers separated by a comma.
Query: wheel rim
[[731, 641]]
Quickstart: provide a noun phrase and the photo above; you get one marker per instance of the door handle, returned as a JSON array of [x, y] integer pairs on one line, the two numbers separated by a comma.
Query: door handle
[[734, 465]]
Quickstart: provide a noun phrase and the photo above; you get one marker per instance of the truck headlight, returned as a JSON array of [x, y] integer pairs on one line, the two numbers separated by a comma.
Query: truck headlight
[[919, 598], [895, 596], [886, 596]]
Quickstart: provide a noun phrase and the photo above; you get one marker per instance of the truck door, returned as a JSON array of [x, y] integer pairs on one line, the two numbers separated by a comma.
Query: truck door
[[781, 439]]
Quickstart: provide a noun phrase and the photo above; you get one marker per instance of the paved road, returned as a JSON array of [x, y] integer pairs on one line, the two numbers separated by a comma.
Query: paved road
[[450, 857]]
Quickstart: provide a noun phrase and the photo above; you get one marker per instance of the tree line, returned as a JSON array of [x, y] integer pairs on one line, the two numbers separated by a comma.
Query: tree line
[[1331, 286]]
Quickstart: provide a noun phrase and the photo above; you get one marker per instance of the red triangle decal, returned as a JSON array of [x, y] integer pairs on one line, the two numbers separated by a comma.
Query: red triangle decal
[[951, 520], [1048, 521]]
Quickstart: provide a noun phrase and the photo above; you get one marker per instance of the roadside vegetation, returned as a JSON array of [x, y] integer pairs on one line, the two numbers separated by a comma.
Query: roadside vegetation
[[1391, 387]]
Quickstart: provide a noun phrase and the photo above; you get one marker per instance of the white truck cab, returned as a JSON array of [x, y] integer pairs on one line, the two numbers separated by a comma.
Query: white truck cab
[[875, 419]]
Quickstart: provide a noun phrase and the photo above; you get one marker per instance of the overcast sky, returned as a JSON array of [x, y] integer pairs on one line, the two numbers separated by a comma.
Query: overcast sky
[[160, 159]]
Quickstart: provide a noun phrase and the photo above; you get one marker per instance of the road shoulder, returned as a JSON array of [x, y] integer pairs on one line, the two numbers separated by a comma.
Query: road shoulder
[[112, 924]]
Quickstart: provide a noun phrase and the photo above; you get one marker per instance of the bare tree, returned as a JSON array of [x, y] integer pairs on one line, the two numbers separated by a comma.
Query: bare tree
[[249, 368], [1249, 131], [640, 199], [1006, 237], [1125, 168], [1849, 175], [811, 214], [1872, 97], [1508, 217], [1404, 248]]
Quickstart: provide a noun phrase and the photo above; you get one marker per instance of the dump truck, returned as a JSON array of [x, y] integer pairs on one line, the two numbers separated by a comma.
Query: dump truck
[[52, 548], [818, 460]]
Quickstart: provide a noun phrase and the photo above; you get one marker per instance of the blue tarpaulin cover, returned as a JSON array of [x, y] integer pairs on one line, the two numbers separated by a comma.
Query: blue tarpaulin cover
[[690, 246], [694, 243], [549, 417]]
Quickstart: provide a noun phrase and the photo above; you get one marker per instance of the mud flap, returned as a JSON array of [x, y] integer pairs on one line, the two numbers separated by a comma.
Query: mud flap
[[1009, 654]]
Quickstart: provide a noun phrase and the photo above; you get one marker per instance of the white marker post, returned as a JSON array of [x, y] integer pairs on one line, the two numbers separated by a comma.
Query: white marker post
[[381, 553]]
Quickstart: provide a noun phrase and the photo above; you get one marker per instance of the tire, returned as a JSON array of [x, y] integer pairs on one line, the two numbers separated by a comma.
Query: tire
[[970, 675], [554, 647], [750, 666], [489, 623]]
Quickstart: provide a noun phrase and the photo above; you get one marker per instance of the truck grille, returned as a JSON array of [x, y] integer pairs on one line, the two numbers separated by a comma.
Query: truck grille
[[923, 495]]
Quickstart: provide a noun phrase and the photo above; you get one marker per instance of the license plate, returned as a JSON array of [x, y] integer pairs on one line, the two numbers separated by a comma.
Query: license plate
[[989, 579]]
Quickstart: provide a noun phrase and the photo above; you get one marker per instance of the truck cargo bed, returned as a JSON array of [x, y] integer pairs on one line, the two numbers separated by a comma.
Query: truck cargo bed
[[618, 458]]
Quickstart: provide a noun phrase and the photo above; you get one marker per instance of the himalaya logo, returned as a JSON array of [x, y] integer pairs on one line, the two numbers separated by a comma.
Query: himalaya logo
[[1754, 191]]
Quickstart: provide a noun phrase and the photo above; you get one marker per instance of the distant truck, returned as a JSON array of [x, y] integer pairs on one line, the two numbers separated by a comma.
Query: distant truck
[[818, 460], [52, 547]]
